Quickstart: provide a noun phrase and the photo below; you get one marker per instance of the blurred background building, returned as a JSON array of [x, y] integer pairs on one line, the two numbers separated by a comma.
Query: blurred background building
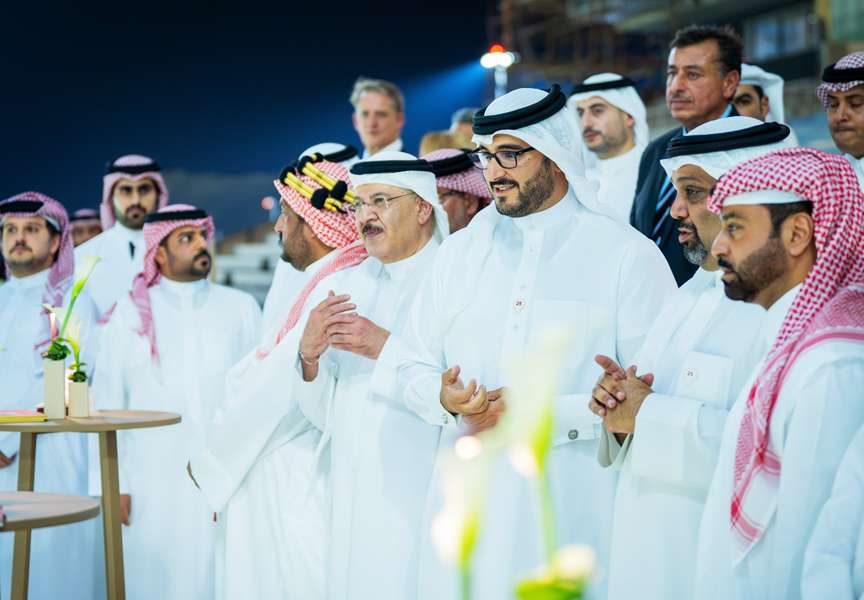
[[566, 40]]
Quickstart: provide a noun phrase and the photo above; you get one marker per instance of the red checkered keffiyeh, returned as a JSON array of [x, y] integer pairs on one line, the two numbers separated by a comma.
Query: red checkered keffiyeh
[[850, 61], [63, 269], [829, 306], [154, 233], [471, 181], [133, 162], [335, 229]]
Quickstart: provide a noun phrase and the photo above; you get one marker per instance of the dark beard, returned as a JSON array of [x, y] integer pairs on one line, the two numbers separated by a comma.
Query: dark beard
[[537, 191], [756, 272]]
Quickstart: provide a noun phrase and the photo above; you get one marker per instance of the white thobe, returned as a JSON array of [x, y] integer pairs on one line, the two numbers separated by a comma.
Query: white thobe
[[260, 472], [112, 278], [382, 454], [202, 329], [495, 286], [701, 352], [287, 282], [813, 422], [858, 167], [62, 559], [834, 562], [394, 146], [617, 178]]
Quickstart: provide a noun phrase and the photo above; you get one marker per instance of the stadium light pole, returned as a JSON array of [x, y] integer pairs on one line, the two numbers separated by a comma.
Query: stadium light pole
[[499, 59]]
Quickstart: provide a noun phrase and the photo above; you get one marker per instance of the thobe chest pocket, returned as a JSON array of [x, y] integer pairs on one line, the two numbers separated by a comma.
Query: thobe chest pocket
[[705, 377]]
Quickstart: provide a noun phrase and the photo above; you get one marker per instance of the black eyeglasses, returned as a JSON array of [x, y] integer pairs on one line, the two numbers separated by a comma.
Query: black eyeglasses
[[508, 159]]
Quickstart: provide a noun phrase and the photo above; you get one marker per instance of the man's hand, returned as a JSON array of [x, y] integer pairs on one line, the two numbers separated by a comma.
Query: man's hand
[[608, 393], [623, 418], [314, 341], [125, 508], [6, 461], [459, 399], [489, 417], [356, 334]]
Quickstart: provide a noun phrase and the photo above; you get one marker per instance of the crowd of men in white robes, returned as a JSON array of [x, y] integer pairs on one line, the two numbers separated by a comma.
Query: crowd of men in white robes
[[708, 436]]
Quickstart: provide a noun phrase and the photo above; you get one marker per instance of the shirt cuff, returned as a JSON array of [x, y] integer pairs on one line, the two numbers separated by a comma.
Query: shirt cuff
[[384, 375], [574, 421], [609, 452]]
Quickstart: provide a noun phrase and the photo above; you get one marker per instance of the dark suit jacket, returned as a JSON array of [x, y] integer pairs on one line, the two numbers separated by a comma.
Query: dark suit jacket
[[648, 185]]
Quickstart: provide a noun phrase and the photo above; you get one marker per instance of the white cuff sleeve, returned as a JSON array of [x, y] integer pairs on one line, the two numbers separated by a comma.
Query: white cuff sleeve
[[574, 421]]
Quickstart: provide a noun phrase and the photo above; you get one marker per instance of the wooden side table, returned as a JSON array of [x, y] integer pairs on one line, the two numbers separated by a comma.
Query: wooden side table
[[106, 424]]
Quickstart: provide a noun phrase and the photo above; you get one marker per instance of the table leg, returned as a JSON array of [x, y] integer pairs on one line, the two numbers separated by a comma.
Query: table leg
[[114, 578], [21, 553]]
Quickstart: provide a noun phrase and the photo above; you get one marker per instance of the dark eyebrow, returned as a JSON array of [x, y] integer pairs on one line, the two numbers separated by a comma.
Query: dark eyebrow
[[745, 95], [686, 178], [731, 215], [511, 147], [598, 104]]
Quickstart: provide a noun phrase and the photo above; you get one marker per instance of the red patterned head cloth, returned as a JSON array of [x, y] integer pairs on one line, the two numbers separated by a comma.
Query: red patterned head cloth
[[83, 215], [60, 276], [134, 167], [829, 305], [454, 170], [158, 226], [842, 76], [316, 190]]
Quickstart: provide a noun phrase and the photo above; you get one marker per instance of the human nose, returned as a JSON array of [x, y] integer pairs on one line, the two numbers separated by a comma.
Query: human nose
[[678, 210], [720, 247]]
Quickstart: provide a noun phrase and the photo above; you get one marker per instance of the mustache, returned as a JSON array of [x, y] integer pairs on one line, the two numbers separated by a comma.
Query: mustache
[[202, 254], [725, 264], [680, 96], [22, 245], [587, 131], [133, 206], [370, 227], [504, 181], [688, 226]]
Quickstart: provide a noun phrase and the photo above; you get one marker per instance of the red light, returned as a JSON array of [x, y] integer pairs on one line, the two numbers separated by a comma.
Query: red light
[[496, 48]]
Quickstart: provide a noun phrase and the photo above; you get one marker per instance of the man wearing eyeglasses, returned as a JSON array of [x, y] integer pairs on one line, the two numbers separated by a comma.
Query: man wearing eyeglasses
[[546, 258], [461, 185], [346, 347]]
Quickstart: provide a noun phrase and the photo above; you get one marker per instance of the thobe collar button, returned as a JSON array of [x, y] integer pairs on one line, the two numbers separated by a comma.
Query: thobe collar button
[[519, 304], [573, 434], [690, 373]]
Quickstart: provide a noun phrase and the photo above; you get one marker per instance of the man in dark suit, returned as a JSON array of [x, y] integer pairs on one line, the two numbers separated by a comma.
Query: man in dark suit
[[702, 74]]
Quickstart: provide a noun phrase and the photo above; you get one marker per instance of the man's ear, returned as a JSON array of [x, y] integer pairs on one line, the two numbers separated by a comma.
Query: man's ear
[[797, 233], [472, 204], [161, 257], [424, 211], [730, 84]]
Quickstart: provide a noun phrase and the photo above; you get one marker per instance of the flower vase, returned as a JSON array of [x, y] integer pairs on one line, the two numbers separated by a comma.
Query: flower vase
[[79, 399], [55, 388]]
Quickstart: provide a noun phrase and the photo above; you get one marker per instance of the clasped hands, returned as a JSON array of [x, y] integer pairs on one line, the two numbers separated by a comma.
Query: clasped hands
[[335, 322], [480, 409], [618, 395]]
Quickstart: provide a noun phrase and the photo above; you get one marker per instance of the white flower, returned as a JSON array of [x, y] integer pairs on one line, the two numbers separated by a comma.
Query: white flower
[[464, 475], [83, 270], [574, 562]]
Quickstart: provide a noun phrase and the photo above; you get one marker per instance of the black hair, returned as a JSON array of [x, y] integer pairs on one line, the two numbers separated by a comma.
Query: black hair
[[729, 44], [779, 213], [759, 91]]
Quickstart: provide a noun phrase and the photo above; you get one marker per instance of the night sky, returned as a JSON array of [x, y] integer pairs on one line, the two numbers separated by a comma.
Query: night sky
[[221, 100]]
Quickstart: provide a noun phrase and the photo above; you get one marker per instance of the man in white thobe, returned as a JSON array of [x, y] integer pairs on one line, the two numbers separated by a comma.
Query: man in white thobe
[[168, 347], [382, 454], [834, 563], [791, 241], [543, 257], [842, 96], [37, 250], [614, 135], [258, 468], [288, 278], [131, 189], [760, 95], [700, 355]]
